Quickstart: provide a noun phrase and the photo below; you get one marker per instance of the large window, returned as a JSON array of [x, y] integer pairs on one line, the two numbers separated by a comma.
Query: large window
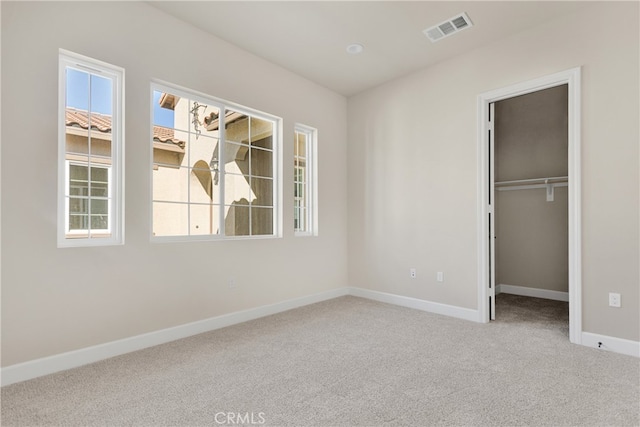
[[215, 169], [90, 146], [304, 181]]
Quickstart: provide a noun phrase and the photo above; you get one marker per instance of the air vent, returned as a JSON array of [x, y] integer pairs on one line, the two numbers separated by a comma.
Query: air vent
[[448, 27]]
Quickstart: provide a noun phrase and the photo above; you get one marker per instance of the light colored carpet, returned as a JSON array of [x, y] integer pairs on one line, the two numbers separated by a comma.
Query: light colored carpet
[[347, 362]]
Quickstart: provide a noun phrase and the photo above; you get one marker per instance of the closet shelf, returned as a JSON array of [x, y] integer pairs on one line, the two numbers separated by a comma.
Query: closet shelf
[[534, 181]]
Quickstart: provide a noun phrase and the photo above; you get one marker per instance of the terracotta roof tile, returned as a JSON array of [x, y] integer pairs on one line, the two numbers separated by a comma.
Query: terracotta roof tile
[[162, 134], [99, 122], [102, 123]]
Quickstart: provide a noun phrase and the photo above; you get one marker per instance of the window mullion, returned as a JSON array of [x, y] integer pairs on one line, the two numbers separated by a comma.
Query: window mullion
[[113, 172], [189, 166], [307, 183], [222, 167], [89, 153], [67, 201], [250, 173], [110, 217]]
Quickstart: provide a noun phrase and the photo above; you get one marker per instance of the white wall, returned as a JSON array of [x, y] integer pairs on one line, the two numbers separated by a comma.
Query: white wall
[[56, 300], [413, 165]]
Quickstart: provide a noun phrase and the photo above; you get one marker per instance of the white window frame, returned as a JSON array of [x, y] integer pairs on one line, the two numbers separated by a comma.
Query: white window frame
[[222, 105], [311, 180], [116, 74]]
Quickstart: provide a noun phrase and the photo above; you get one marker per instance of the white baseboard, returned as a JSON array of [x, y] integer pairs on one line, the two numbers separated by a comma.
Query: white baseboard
[[73, 359], [418, 304], [532, 292], [60, 362], [616, 345]]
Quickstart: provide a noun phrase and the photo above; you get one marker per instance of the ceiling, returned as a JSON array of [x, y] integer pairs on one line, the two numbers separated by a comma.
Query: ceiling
[[310, 37]]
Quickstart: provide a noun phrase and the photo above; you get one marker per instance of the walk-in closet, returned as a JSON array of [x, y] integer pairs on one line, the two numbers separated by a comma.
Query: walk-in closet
[[531, 205]]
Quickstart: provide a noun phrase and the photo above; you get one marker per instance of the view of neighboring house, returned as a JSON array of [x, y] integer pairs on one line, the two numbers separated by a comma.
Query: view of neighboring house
[[88, 163], [197, 182], [186, 172], [300, 180]]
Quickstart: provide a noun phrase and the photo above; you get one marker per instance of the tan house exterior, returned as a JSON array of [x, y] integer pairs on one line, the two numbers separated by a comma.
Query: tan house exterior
[[186, 173], [186, 192]]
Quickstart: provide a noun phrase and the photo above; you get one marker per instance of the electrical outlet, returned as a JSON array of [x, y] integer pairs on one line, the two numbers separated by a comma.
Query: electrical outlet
[[440, 276], [614, 299], [412, 273], [232, 282]]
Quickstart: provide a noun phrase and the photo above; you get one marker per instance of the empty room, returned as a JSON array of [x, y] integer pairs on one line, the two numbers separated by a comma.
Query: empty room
[[320, 213]]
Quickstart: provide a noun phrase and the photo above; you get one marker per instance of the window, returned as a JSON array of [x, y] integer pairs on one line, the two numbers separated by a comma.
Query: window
[[88, 214], [90, 147], [214, 168], [299, 196], [304, 181]]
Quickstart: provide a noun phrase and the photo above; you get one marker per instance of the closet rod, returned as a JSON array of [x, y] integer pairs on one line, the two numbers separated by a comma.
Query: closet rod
[[535, 180], [529, 184]]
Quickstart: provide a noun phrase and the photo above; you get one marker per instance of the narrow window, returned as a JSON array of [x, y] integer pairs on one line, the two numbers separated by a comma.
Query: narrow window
[[90, 147], [304, 181], [214, 167]]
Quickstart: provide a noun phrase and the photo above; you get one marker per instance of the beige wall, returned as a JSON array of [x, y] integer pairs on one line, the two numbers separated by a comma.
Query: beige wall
[[419, 133], [531, 141], [531, 135], [56, 300], [532, 239]]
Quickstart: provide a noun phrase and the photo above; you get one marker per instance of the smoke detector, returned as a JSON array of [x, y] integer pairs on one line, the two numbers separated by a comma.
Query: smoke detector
[[448, 27], [355, 48]]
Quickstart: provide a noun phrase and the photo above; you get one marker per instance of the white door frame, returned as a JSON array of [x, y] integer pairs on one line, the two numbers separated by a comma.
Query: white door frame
[[572, 79]]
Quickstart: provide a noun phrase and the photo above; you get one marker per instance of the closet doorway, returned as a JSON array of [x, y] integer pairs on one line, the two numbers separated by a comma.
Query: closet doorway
[[528, 185], [531, 218]]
